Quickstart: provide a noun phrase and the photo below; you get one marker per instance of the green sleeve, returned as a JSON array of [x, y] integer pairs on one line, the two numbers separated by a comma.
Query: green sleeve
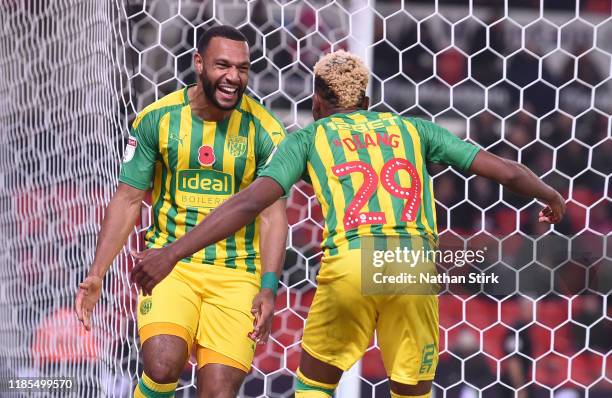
[[266, 141], [442, 146], [289, 161], [140, 155]]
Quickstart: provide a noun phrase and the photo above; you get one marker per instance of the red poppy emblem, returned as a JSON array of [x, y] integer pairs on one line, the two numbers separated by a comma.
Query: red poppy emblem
[[206, 155]]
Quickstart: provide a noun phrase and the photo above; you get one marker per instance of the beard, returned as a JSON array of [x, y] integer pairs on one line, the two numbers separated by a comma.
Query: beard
[[210, 89]]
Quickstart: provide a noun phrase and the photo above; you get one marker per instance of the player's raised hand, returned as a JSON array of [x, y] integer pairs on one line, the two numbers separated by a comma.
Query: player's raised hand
[[263, 310], [151, 267], [554, 210], [87, 297]]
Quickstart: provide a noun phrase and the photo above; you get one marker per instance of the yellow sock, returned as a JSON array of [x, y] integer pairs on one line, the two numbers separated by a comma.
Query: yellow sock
[[308, 388], [147, 388], [394, 395]]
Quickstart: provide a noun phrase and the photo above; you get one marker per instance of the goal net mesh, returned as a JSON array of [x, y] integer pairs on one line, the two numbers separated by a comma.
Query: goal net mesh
[[527, 80]]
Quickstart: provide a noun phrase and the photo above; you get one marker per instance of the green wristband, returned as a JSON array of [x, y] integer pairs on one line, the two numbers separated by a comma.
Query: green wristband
[[269, 280]]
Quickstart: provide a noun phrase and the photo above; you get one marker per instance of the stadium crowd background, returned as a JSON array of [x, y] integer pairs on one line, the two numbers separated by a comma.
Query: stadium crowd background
[[546, 103]]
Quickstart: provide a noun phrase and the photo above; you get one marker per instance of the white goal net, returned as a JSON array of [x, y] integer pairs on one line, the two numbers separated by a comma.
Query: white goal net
[[528, 80]]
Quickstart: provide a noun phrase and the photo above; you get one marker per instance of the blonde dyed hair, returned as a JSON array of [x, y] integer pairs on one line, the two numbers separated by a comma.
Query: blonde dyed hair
[[341, 78]]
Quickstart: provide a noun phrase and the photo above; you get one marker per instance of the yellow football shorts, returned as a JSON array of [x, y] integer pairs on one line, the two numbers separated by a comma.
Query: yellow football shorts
[[341, 323], [206, 304]]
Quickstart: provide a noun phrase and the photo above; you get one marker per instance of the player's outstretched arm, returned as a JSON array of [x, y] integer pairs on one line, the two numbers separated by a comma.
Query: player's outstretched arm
[[121, 214], [519, 179], [272, 238], [154, 264]]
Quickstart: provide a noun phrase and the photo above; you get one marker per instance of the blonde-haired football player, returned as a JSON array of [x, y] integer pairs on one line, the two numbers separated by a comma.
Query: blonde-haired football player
[[368, 172]]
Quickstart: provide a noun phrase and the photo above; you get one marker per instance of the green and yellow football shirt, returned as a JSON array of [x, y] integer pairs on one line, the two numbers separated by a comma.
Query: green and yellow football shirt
[[368, 171], [195, 165]]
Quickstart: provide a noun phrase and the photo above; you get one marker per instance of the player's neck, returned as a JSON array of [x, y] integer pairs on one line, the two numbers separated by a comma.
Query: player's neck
[[203, 108], [335, 110]]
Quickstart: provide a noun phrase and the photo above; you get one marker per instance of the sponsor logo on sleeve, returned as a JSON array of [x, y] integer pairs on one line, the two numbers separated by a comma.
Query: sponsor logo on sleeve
[[130, 149]]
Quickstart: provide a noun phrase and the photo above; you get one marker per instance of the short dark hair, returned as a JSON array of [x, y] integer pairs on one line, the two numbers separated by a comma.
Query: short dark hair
[[325, 91], [224, 31]]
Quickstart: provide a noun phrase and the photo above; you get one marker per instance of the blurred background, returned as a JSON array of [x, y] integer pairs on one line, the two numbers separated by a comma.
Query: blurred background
[[528, 80]]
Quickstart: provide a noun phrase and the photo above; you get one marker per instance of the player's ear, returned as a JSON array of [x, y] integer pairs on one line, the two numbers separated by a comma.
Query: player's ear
[[198, 63], [365, 103], [316, 106]]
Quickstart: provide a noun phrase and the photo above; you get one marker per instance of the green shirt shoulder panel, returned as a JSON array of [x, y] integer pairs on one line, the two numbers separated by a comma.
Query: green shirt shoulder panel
[[441, 146], [142, 149], [288, 164]]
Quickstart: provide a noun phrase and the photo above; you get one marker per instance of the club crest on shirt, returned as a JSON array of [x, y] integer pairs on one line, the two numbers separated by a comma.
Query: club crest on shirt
[[130, 149], [206, 155], [237, 146]]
